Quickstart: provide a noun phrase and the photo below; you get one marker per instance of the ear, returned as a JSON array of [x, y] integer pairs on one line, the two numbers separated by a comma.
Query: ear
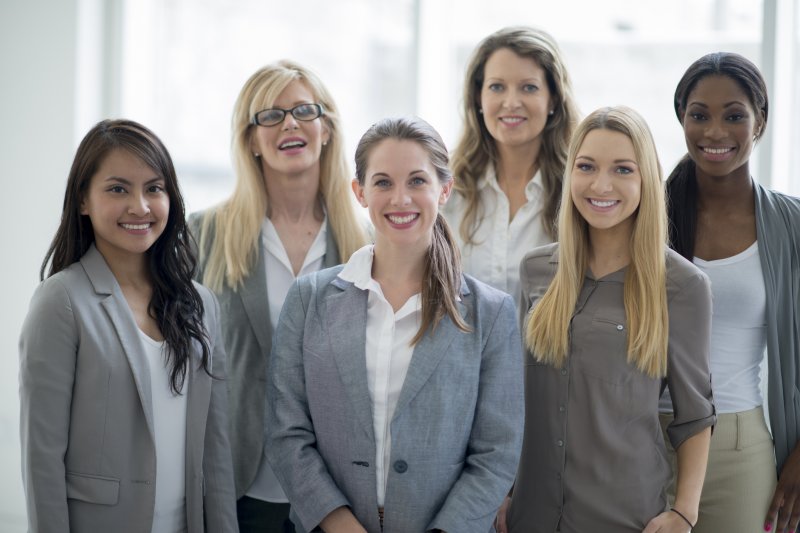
[[358, 190], [84, 210], [326, 132], [760, 124], [447, 188]]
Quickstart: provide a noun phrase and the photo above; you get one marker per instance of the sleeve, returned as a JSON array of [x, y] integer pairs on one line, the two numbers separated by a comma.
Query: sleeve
[[496, 437], [194, 226], [48, 349], [219, 499], [290, 439], [688, 360]]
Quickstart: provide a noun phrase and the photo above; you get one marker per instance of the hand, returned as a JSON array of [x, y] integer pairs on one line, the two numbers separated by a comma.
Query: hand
[[784, 511], [500, 519], [667, 522]]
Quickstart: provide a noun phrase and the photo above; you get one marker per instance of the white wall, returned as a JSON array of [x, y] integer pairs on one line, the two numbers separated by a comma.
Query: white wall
[[37, 106]]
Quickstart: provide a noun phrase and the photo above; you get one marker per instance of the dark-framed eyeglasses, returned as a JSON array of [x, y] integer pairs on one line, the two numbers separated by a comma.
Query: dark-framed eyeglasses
[[275, 115]]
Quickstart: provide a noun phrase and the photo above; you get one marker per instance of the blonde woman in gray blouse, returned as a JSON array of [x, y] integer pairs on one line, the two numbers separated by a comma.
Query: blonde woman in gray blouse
[[615, 316]]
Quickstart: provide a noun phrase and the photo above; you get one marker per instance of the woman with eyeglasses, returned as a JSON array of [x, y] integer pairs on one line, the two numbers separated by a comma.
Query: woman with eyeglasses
[[291, 213], [518, 116]]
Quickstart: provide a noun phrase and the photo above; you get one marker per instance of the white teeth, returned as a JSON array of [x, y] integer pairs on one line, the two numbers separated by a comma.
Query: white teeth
[[401, 220], [136, 226], [716, 150], [603, 203], [291, 144], [512, 120]]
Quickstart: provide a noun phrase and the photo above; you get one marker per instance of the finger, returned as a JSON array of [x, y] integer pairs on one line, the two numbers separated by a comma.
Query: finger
[[785, 512], [772, 514], [794, 517]]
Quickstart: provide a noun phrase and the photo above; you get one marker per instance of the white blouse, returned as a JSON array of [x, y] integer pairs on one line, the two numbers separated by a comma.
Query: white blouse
[[280, 277], [169, 426], [500, 245], [388, 353]]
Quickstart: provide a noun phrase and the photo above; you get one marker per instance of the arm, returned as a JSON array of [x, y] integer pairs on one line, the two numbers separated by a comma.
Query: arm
[[341, 520], [496, 437], [219, 500], [48, 350], [784, 510], [290, 438]]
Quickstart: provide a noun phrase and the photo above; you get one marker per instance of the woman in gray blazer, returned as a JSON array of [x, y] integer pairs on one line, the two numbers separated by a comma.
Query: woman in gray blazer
[[395, 386], [123, 415], [291, 213]]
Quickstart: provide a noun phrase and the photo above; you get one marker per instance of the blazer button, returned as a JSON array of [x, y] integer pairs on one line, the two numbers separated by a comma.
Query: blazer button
[[400, 466]]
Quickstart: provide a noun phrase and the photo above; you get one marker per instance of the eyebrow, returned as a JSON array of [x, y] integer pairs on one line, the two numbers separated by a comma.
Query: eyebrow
[[733, 102], [616, 161], [385, 175], [497, 78], [125, 181]]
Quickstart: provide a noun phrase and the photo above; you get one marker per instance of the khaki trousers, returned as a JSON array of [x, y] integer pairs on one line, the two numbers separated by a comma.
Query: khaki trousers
[[741, 477]]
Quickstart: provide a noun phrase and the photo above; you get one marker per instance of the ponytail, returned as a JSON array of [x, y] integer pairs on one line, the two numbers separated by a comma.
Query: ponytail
[[682, 207], [441, 281]]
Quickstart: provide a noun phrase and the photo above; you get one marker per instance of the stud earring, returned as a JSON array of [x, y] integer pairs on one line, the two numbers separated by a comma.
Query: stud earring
[[480, 111], [550, 112], [324, 143], [256, 155]]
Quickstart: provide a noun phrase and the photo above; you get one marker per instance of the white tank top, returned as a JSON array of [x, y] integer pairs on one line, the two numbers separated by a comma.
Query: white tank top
[[738, 331]]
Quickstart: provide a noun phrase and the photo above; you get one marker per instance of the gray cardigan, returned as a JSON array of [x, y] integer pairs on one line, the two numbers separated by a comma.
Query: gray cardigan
[[778, 233], [247, 331]]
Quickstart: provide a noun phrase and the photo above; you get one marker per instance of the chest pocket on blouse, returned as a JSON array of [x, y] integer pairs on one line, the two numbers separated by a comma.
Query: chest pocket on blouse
[[605, 355]]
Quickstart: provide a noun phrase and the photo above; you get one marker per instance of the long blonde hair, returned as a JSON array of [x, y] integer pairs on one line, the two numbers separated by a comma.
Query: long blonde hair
[[237, 221], [645, 294], [476, 148]]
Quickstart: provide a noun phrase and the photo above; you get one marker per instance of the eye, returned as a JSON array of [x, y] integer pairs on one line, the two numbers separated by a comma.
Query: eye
[[155, 188], [624, 170], [495, 87], [697, 116], [417, 181], [735, 117], [382, 183], [306, 112], [584, 167], [529, 88], [117, 189]]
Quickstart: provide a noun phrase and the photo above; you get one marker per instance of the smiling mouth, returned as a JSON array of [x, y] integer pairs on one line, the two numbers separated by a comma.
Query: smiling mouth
[[603, 203], [716, 151], [136, 226], [291, 144], [400, 220], [511, 120]]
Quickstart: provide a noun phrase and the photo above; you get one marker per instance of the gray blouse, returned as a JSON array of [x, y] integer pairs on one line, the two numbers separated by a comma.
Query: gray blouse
[[593, 455]]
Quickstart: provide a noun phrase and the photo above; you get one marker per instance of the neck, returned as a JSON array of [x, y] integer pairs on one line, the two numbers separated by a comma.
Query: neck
[[728, 192], [130, 270], [609, 249], [294, 198], [517, 163], [396, 266]]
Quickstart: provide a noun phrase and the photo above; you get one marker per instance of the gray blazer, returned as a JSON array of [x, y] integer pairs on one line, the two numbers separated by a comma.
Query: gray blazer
[[456, 431], [86, 420], [247, 330]]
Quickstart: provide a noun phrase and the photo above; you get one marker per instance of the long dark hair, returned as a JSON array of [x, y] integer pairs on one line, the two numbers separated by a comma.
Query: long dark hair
[[441, 279], [682, 182], [176, 305]]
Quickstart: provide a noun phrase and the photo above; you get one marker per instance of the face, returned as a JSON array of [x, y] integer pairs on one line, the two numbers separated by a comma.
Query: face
[[515, 99], [720, 124], [293, 146], [127, 204], [605, 181], [403, 194]]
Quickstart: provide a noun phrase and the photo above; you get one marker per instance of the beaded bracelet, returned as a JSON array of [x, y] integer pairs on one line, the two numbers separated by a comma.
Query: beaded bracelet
[[691, 526]]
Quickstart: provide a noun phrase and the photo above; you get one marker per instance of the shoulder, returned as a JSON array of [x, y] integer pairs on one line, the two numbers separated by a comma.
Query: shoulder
[[778, 201], [60, 293], [485, 295], [540, 261], [681, 274]]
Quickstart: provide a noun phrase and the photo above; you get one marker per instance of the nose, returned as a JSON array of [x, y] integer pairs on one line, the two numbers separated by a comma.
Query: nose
[[289, 122], [511, 98], [139, 206], [601, 184], [400, 196], [715, 130]]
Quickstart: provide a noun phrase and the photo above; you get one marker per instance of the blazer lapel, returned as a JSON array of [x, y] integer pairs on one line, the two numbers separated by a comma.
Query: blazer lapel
[[331, 257], [125, 326], [256, 301], [428, 352], [346, 316], [197, 401]]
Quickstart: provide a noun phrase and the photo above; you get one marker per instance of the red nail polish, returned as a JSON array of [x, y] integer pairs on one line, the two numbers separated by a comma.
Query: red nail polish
[[768, 526]]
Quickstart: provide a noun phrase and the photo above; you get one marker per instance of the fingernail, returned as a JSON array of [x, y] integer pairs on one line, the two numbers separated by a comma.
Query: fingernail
[[768, 526]]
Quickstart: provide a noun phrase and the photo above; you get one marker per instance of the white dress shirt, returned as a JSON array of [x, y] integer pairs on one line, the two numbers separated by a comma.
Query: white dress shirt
[[500, 245], [169, 426], [280, 277], [388, 354]]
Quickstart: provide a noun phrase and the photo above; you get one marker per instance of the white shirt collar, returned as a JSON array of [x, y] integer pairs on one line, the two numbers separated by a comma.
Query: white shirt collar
[[532, 189], [358, 270]]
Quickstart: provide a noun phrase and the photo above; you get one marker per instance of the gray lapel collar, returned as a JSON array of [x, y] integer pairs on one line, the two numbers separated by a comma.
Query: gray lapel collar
[[197, 401], [429, 351], [125, 326], [253, 293], [346, 316]]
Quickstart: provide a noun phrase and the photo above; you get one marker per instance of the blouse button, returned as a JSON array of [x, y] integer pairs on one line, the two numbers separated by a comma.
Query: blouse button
[[619, 327], [561, 408], [563, 371], [400, 466], [560, 443]]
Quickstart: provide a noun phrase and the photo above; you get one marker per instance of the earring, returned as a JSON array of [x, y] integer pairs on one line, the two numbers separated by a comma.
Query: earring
[[324, 143], [256, 155], [480, 111], [550, 112]]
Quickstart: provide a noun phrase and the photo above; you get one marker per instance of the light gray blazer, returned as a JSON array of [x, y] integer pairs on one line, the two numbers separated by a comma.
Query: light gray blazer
[[86, 420], [247, 330], [457, 428]]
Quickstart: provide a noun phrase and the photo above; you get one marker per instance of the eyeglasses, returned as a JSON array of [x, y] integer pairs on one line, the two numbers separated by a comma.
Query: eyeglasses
[[274, 116]]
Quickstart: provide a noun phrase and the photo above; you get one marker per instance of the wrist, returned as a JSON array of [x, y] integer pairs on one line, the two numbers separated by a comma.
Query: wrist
[[691, 520]]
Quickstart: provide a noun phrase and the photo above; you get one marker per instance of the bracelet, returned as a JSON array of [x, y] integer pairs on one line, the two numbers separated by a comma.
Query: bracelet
[[691, 526]]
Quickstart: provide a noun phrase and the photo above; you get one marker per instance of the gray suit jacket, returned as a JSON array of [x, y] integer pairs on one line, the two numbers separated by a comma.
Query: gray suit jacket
[[247, 330], [86, 420], [457, 428]]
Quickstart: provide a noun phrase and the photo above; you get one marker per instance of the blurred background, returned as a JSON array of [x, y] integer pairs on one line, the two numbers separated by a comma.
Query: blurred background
[[177, 67]]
